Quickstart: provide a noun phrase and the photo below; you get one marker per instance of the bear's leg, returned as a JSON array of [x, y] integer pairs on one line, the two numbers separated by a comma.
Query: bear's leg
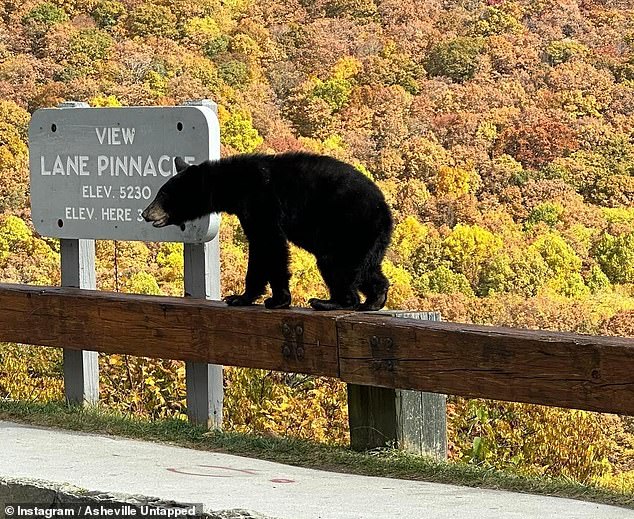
[[374, 285], [256, 278], [279, 275], [341, 282]]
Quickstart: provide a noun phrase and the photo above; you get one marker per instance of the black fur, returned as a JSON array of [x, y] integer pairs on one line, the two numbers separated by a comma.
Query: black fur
[[319, 203]]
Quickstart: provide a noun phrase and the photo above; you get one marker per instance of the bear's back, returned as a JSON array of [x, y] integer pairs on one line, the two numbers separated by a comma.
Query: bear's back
[[326, 203]]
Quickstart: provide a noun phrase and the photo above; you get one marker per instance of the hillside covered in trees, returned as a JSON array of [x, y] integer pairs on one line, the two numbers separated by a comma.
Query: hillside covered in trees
[[501, 132]]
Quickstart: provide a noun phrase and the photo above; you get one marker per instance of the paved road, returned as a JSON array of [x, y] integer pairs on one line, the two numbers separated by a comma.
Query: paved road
[[225, 482]]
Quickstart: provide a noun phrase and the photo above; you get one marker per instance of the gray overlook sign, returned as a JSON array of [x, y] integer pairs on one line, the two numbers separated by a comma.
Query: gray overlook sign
[[94, 170]]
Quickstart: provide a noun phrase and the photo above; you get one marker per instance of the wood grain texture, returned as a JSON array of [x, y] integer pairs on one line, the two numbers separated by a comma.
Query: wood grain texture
[[166, 327], [559, 369]]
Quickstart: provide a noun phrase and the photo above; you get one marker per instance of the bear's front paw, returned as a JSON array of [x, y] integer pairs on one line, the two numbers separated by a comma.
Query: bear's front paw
[[238, 300]]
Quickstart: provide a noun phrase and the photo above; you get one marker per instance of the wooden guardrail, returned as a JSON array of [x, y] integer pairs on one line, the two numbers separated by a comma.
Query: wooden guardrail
[[551, 368]]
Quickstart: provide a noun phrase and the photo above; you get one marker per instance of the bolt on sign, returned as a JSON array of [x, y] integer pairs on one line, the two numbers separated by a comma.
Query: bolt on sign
[[94, 170]]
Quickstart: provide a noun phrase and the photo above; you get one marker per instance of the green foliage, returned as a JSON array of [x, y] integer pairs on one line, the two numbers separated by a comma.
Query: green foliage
[[615, 255], [235, 73], [561, 51], [597, 281], [467, 247], [534, 439], [142, 283], [570, 285], [148, 19], [87, 46], [493, 20], [335, 92], [524, 273], [559, 256], [238, 132], [408, 237], [444, 281], [107, 13], [456, 59], [401, 294], [548, 213], [42, 17], [215, 46]]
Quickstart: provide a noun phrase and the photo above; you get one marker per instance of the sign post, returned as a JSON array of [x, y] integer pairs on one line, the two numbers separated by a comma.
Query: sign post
[[93, 171], [81, 367], [204, 382]]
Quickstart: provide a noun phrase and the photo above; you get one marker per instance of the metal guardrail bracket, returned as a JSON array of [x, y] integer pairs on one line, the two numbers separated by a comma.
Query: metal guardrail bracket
[[293, 346], [382, 349], [381, 345]]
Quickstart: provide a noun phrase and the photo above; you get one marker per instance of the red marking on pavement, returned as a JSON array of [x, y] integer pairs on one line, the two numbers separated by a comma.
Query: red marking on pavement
[[282, 480]]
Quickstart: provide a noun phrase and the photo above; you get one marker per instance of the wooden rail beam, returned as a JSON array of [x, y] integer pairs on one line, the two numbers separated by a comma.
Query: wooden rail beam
[[551, 368], [534, 366], [301, 341]]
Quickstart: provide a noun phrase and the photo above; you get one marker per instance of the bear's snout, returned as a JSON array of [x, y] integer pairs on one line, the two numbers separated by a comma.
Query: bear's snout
[[156, 214]]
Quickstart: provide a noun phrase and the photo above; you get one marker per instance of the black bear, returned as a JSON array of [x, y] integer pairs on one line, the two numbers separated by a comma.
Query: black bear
[[319, 203]]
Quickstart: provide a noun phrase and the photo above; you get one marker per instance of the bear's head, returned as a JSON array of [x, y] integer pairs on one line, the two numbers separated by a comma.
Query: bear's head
[[180, 199]]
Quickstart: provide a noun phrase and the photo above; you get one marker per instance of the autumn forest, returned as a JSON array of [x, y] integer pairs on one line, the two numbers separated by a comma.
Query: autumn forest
[[500, 131]]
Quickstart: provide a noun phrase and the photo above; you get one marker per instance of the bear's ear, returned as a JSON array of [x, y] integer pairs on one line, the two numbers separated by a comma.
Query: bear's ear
[[180, 164]]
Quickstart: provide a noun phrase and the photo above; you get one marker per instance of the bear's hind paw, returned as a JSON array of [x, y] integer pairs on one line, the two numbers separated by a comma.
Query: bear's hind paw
[[328, 304], [275, 304]]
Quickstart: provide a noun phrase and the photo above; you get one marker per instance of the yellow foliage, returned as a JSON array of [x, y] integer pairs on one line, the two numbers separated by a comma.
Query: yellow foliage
[[30, 373], [201, 30], [306, 281], [301, 406], [409, 235], [536, 440], [346, 67], [455, 181], [401, 294], [102, 101]]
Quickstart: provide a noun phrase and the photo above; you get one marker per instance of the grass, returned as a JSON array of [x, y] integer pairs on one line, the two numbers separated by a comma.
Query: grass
[[384, 462]]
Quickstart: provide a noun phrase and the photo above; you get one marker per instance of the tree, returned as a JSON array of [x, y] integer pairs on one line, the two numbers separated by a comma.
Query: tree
[[149, 19], [456, 59], [237, 131], [495, 20], [537, 139], [42, 17], [467, 247], [107, 13], [615, 255], [559, 256], [561, 51]]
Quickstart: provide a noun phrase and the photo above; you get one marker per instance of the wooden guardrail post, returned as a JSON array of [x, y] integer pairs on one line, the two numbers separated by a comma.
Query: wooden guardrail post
[[81, 367], [204, 382], [415, 421]]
